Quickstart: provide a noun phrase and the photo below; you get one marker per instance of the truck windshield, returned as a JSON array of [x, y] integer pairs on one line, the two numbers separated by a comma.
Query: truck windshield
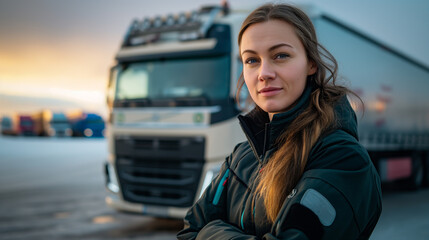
[[191, 78]]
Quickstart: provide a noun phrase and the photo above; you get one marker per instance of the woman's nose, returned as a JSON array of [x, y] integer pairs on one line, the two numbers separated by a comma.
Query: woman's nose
[[266, 72]]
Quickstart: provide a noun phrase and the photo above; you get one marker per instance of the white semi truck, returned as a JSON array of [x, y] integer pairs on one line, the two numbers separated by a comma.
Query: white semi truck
[[173, 115], [51, 123]]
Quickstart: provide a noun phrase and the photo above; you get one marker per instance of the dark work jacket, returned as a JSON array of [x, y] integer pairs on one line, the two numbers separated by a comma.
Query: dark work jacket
[[337, 197]]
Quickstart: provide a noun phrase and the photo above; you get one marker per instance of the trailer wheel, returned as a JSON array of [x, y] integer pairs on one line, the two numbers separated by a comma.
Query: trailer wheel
[[416, 179], [425, 166]]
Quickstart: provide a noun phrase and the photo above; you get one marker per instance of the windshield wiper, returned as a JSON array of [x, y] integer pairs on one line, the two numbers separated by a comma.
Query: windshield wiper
[[200, 100], [135, 102]]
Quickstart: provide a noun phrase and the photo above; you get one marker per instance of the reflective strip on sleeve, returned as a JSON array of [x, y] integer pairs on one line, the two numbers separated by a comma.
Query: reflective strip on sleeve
[[321, 206]]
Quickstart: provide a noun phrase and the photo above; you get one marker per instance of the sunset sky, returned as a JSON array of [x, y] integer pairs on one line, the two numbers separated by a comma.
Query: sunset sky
[[57, 53]]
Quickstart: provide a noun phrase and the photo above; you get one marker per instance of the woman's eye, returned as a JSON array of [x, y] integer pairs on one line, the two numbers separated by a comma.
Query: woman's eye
[[250, 61], [281, 56]]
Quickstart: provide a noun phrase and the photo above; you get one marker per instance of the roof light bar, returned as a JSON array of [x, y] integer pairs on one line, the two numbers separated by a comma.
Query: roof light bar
[[183, 26]]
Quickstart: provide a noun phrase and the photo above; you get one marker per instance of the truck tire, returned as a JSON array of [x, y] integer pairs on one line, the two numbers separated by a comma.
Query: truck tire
[[416, 179], [425, 163]]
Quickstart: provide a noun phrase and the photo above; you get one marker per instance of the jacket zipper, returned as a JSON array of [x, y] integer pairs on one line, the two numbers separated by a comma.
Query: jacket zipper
[[261, 160], [266, 141], [254, 196], [252, 192]]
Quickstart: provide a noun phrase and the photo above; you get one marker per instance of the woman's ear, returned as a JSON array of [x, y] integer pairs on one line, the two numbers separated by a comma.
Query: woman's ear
[[312, 68]]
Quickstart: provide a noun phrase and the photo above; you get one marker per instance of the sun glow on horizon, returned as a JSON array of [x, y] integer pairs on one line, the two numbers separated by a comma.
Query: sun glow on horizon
[[63, 77], [40, 91], [62, 98]]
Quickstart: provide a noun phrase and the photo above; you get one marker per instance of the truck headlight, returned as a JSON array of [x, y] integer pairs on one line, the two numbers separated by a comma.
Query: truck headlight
[[87, 132], [68, 132], [51, 132], [111, 180], [207, 180], [210, 174]]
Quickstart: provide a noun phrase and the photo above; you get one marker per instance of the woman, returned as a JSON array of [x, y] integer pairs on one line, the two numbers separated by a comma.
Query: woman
[[302, 173]]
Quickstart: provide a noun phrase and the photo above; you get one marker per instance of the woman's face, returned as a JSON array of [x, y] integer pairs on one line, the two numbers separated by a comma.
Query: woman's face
[[275, 65]]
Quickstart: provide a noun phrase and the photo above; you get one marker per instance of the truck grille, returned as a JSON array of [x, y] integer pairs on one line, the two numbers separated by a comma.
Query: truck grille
[[159, 171]]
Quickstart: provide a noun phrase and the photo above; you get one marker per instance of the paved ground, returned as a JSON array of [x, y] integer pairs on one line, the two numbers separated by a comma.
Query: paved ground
[[405, 216], [74, 213], [54, 189]]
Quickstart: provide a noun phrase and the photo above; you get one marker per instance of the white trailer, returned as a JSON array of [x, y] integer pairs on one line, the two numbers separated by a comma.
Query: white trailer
[[394, 123]]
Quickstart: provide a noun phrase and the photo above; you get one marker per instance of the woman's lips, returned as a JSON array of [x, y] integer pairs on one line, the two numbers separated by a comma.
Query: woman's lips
[[269, 91]]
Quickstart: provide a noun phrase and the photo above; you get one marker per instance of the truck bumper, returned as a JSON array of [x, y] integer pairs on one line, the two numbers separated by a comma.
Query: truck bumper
[[114, 201]]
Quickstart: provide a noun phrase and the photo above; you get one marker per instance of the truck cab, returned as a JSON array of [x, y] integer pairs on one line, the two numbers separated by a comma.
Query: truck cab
[[52, 123], [172, 110], [7, 126], [25, 125], [84, 124]]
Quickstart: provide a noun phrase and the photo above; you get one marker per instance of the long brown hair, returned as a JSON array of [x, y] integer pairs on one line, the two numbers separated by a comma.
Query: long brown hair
[[286, 166]]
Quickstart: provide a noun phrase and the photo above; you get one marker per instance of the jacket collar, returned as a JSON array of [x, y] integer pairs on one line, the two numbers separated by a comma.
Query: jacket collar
[[262, 134]]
